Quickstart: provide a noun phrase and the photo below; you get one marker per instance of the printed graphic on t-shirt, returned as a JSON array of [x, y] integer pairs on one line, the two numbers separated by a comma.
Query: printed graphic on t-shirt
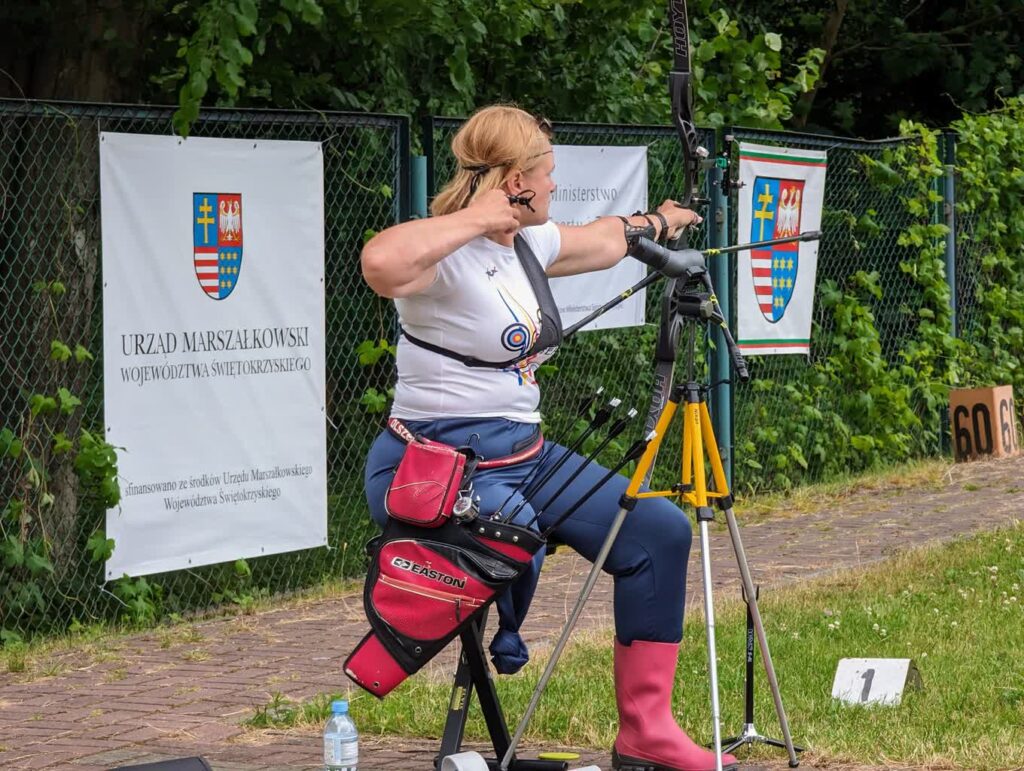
[[519, 335]]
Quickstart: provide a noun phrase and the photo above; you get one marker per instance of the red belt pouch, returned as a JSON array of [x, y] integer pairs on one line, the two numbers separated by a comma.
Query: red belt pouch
[[426, 484]]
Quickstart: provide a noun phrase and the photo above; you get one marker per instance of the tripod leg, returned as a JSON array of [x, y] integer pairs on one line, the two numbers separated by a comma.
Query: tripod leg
[[709, 624], [750, 593], [762, 639], [693, 459], [588, 586]]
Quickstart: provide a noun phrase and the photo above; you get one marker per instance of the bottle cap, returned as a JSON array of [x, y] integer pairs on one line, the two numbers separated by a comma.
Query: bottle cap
[[339, 707]]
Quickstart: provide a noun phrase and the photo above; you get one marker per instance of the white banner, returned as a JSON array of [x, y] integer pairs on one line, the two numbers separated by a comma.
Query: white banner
[[596, 182], [782, 195], [213, 348]]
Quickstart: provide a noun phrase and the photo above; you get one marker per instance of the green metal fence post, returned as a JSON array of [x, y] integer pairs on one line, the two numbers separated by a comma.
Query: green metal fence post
[[949, 206], [718, 235], [418, 187], [404, 154], [427, 137]]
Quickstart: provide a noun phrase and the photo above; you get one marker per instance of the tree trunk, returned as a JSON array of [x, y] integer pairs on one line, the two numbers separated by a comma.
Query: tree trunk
[[79, 50], [828, 42], [83, 50]]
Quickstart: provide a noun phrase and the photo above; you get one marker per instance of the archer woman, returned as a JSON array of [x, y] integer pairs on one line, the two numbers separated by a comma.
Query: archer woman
[[472, 339]]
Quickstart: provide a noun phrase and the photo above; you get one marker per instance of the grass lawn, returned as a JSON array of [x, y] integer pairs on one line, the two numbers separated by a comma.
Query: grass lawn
[[955, 609]]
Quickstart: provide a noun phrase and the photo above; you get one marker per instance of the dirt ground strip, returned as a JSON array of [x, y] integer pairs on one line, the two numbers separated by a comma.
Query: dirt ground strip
[[175, 693]]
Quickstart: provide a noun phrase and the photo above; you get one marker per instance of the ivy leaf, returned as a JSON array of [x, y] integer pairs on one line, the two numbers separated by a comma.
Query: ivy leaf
[[374, 401], [38, 563], [13, 552], [61, 443], [242, 568], [59, 351], [370, 352], [9, 443], [82, 354], [68, 401], [13, 510], [41, 404], [99, 546]]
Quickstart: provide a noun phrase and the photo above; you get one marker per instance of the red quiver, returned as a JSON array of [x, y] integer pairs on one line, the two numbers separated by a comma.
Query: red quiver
[[424, 586]]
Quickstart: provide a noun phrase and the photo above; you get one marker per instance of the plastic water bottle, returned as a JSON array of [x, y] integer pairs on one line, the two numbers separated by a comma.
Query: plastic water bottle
[[341, 740]]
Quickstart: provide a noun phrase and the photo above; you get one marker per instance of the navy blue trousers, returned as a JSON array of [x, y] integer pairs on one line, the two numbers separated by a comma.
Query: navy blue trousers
[[650, 554]]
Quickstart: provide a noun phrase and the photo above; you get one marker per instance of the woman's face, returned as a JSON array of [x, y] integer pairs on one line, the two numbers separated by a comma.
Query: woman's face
[[539, 180]]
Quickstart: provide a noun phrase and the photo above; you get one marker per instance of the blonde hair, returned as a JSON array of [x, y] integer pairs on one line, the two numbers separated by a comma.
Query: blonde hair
[[495, 142]]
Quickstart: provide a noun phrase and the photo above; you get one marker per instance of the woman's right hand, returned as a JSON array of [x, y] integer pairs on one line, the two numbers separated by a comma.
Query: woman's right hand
[[496, 213]]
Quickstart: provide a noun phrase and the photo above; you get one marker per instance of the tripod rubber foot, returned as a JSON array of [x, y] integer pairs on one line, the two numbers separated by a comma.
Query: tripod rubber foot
[[626, 763]]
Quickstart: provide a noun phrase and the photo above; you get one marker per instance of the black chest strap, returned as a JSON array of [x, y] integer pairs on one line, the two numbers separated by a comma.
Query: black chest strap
[[550, 321]]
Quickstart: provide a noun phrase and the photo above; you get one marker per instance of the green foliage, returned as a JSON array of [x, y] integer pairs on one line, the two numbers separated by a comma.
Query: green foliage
[[570, 60], [223, 36], [740, 81], [32, 450], [100, 547], [990, 197], [859, 405], [96, 464], [845, 412], [371, 351], [140, 598], [236, 586], [940, 58]]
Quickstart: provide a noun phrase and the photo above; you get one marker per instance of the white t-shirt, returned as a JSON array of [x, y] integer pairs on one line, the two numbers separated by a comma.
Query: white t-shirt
[[480, 305]]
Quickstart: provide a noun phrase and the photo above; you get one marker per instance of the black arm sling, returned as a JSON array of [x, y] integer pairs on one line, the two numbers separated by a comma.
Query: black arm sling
[[550, 322]]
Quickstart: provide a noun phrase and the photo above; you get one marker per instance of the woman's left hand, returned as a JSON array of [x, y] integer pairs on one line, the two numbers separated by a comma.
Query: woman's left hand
[[677, 217]]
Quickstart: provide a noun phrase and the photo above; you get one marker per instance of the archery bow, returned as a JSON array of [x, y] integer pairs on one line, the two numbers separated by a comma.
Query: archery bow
[[681, 93]]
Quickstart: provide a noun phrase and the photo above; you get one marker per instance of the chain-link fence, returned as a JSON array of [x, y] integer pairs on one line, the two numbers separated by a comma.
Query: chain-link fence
[[970, 252], [861, 227], [50, 232]]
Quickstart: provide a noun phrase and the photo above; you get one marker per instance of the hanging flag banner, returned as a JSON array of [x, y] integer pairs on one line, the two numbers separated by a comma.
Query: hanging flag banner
[[597, 182], [213, 348], [782, 195]]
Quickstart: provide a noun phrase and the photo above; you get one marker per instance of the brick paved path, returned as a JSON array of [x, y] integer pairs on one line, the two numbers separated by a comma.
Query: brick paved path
[[161, 695]]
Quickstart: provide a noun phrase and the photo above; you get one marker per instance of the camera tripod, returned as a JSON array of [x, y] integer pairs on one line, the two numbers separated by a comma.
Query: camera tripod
[[696, 310], [689, 302]]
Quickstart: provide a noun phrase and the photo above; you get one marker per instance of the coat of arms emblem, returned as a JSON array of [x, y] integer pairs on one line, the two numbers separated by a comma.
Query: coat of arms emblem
[[776, 214], [217, 241]]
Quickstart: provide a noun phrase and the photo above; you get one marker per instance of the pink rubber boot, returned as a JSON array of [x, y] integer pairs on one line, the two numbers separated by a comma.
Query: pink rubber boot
[[649, 738]]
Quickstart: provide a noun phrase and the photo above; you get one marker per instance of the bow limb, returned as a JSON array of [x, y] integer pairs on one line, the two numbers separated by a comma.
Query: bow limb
[[681, 94]]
